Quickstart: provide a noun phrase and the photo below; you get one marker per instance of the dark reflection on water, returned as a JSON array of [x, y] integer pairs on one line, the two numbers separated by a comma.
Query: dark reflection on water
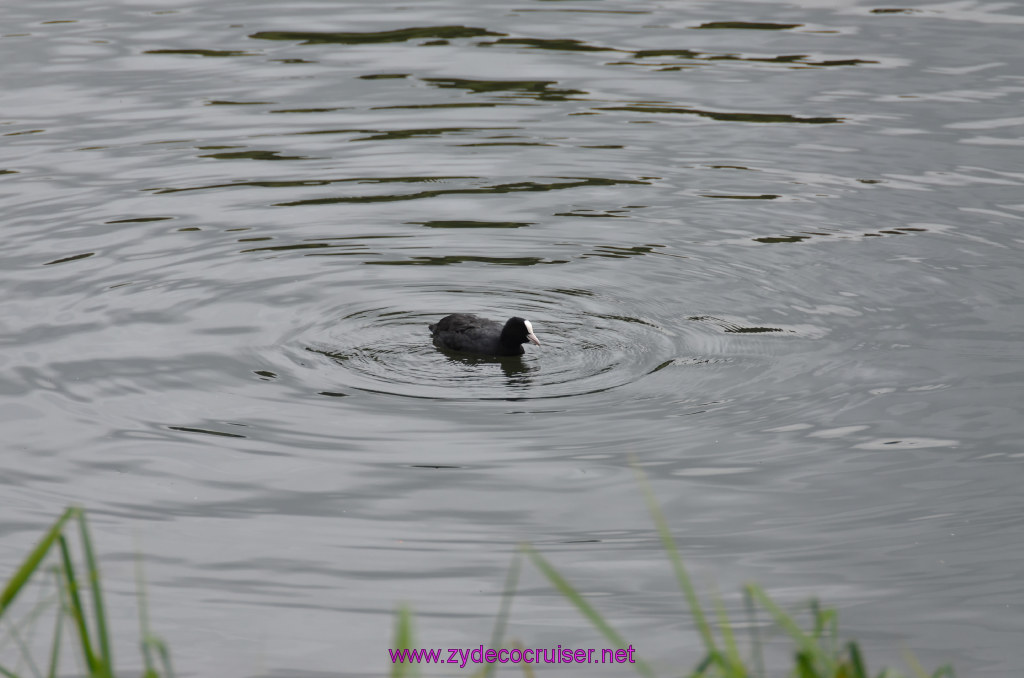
[[311, 182], [256, 389], [472, 224], [253, 155], [727, 117], [801, 60], [75, 257], [457, 259], [189, 429], [540, 89], [746, 25], [402, 35], [499, 188], [202, 52], [733, 327], [516, 372], [565, 44]]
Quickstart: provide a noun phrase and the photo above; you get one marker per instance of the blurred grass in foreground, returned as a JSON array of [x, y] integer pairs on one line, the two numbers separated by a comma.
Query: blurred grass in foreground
[[79, 603], [817, 652]]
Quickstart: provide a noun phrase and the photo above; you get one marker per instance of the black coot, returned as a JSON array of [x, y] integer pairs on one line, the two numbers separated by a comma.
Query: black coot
[[469, 333]]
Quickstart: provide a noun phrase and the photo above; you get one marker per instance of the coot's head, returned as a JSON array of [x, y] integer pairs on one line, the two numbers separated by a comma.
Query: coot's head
[[518, 331]]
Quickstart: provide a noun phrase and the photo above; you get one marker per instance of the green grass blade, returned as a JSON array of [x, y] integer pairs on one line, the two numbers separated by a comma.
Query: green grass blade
[[817, 619], [857, 661], [23, 649], [834, 631], [147, 655], [57, 633], [76, 610], [143, 605], [915, 666], [527, 669], [755, 632], [99, 612], [826, 627], [155, 643], [583, 606], [732, 662], [165, 658], [31, 564], [8, 673], [28, 621], [63, 611], [706, 663], [805, 666], [669, 544], [511, 582], [805, 644], [566, 589], [724, 666], [403, 641]]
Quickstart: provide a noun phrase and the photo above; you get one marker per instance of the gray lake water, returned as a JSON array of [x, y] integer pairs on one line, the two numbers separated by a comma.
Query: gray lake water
[[772, 251]]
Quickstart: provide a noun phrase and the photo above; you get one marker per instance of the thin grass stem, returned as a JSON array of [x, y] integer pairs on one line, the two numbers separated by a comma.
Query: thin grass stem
[[140, 587], [731, 650], [583, 606], [696, 611], [508, 594], [99, 611], [23, 650], [57, 635], [31, 563], [77, 613], [403, 641], [807, 645]]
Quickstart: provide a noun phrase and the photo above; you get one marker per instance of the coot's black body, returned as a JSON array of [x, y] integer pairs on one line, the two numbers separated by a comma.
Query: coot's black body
[[469, 333]]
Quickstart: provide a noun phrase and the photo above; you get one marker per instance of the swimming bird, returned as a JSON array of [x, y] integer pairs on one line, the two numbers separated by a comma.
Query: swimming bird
[[470, 333]]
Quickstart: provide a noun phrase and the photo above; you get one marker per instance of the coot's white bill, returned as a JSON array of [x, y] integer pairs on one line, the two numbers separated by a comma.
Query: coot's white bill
[[529, 333]]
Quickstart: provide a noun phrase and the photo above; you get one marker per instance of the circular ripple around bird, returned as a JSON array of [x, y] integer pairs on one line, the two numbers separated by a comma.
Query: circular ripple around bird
[[585, 349]]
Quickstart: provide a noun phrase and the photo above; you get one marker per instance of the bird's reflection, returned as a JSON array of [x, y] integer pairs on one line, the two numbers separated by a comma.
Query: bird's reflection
[[517, 373]]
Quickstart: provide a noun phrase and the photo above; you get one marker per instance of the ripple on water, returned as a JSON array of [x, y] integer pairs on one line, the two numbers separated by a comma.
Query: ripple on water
[[387, 349]]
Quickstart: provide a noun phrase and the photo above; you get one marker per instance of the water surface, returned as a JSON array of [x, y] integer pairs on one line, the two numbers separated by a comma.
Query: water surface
[[772, 251]]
